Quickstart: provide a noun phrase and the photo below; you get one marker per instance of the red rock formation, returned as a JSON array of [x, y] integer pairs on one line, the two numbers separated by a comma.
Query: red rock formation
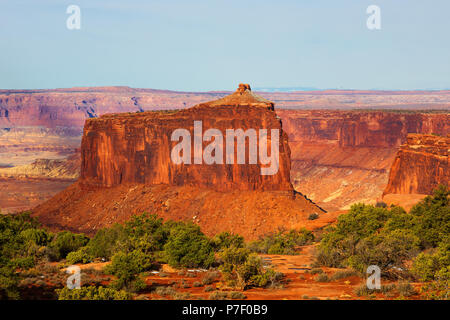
[[127, 169], [342, 157], [136, 148], [421, 164]]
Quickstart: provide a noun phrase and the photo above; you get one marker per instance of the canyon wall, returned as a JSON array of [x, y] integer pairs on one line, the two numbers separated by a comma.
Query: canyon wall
[[349, 153], [420, 165]]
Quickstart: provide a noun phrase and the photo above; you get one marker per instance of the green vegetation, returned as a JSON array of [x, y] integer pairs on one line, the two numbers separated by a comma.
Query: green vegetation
[[188, 247], [388, 237], [282, 242], [243, 269], [92, 293], [367, 235]]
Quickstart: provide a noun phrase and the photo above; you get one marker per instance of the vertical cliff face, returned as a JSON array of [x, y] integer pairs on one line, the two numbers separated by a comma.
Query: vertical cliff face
[[137, 148], [421, 164]]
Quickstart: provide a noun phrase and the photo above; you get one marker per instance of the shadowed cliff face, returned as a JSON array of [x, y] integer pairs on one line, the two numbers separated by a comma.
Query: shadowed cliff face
[[136, 148], [421, 164]]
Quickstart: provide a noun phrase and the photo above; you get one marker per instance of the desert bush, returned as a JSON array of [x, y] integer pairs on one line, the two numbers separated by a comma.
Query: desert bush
[[146, 233], [92, 293], [197, 284], [338, 275], [66, 242], [188, 247], [370, 235], [126, 267], [218, 295], [181, 296], [315, 271], [209, 288], [108, 241], [225, 240], [432, 217], [381, 204], [82, 255], [210, 277], [322, 277], [282, 242], [237, 295], [165, 291], [242, 269], [19, 240], [313, 216], [406, 289]]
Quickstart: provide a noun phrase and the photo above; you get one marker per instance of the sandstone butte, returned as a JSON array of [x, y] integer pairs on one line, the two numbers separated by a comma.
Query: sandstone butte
[[126, 169], [420, 165]]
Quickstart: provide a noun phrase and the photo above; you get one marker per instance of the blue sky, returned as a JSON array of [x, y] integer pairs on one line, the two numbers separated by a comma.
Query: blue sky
[[200, 45]]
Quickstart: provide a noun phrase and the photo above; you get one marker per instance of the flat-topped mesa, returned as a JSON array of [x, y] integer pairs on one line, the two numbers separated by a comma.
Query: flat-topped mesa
[[421, 164], [138, 148]]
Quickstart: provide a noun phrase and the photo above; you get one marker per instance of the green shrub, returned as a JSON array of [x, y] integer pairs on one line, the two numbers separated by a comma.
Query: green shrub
[[432, 217], [369, 235], [66, 242], [82, 255], [225, 240], [20, 239], [322, 278], [165, 291], [218, 295], [126, 267], [313, 216], [188, 247], [146, 233], [338, 275], [242, 269], [282, 242], [237, 295], [108, 241], [92, 293]]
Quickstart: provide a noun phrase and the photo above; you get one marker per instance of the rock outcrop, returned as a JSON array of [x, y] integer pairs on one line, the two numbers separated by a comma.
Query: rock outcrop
[[127, 168], [137, 148], [420, 165]]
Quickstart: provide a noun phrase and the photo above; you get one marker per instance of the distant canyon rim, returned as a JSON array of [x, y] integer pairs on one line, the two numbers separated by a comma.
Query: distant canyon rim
[[342, 143]]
